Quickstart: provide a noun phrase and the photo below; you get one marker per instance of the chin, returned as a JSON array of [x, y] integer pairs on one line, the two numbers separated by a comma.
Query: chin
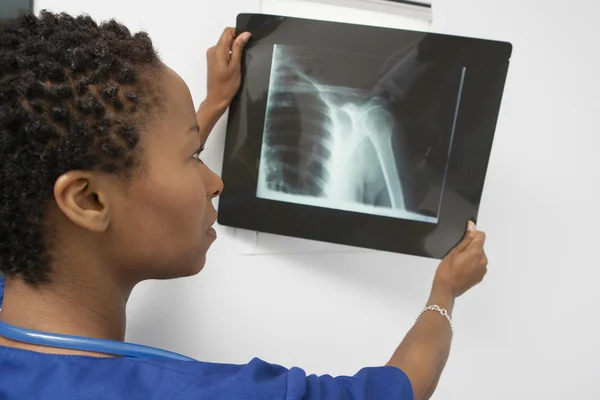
[[198, 267], [181, 271], [198, 263]]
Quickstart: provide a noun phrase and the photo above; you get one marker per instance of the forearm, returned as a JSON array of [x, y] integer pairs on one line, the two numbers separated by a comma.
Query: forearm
[[424, 351], [208, 114]]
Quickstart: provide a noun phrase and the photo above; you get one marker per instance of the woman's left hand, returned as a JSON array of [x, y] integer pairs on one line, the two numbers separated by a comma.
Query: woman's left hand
[[224, 68]]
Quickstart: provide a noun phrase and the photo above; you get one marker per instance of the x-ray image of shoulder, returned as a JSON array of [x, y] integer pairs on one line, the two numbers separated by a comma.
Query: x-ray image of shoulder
[[359, 133]]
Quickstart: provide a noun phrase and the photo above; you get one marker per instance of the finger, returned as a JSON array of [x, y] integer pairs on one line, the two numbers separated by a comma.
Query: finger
[[226, 39], [480, 238], [238, 47], [468, 239], [210, 52], [482, 275], [475, 248]]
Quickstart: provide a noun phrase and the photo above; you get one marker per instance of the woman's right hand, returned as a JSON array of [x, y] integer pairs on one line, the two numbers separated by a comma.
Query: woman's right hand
[[224, 67], [465, 266]]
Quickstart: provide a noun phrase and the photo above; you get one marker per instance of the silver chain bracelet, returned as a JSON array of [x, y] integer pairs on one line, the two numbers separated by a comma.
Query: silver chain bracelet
[[442, 311]]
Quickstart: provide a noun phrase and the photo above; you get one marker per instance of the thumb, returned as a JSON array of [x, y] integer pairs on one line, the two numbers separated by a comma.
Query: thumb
[[468, 239], [238, 47]]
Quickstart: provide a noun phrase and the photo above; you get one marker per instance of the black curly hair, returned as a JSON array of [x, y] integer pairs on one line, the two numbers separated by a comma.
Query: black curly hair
[[73, 95]]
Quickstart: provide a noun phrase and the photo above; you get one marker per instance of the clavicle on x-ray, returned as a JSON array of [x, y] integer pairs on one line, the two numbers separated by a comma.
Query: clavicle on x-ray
[[329, 145]]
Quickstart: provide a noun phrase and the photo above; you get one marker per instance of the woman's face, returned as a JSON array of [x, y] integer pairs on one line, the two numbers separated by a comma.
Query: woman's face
[[161, 222]]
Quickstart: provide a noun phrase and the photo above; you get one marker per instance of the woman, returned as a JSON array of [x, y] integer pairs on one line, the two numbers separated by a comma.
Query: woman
[[103, 187]]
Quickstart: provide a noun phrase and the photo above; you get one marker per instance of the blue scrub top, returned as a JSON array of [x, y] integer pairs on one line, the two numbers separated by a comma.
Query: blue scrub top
[[31, 375], [2, 282]]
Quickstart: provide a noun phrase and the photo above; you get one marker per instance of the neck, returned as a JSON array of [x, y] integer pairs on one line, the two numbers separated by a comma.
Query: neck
[[67, 306]]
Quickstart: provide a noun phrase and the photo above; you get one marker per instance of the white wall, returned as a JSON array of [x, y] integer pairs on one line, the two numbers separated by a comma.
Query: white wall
[[530, 331]]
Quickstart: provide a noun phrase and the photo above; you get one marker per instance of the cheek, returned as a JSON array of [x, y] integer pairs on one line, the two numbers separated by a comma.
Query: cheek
[[180, 203], [166, 220]]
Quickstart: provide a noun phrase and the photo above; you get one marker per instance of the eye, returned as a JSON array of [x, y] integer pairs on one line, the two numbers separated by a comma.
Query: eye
[[197, 153]]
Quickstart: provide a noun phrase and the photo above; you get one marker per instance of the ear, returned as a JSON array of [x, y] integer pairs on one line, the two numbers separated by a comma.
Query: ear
[[80, 197]]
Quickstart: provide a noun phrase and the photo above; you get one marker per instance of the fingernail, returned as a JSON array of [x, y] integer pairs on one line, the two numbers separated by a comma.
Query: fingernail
[[471, 226], [246, 36]]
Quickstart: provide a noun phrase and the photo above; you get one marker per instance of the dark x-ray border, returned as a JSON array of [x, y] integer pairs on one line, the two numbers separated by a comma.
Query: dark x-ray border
[[472, 136]]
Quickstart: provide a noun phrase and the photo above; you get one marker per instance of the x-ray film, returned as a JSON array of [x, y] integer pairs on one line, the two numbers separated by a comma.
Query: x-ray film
[[339, 139], [363, 136]]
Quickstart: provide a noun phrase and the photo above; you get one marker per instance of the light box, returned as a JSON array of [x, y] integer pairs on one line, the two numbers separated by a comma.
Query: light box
[[363, 136]]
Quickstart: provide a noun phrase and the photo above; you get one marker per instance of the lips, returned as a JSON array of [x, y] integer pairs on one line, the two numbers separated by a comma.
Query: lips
[[211, 232]]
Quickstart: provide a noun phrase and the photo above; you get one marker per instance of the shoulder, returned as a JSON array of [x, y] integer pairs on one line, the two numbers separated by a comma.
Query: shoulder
[[255, 380], [76, 377], [53, 376], [259, 379]]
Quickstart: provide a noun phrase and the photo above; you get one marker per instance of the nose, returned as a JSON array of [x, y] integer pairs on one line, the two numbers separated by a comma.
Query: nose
[[215, 186]]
